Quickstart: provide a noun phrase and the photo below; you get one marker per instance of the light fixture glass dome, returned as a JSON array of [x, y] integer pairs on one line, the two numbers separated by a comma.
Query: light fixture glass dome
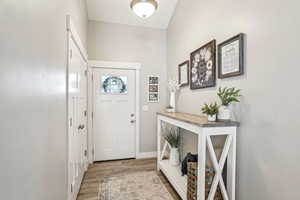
[[144, 8]]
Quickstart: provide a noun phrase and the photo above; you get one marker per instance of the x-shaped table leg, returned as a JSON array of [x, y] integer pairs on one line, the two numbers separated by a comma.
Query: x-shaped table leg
[[218, 166]]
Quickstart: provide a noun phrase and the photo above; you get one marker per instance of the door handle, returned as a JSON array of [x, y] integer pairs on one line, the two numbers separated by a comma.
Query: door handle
[[81, 126], [132, 121]]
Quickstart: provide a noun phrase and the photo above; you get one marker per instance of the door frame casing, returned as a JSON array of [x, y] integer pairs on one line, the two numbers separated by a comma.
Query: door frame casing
[[114, 65]]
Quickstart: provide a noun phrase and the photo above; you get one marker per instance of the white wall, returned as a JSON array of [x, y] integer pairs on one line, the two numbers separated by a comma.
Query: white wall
[[268, 139], [33, 97], [114, 42]]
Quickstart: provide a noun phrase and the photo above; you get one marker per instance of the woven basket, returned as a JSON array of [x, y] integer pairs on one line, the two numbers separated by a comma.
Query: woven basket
[[192, 182]]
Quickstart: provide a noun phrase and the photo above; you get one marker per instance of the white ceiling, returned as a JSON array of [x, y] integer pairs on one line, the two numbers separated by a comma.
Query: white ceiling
[[118, 11]]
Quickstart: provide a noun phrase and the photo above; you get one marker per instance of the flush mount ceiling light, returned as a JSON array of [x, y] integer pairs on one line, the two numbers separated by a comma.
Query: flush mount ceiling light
[[144, 8]]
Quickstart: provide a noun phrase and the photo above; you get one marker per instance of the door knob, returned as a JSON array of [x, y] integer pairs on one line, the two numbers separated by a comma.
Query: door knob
[[81, 126], [132, 115]]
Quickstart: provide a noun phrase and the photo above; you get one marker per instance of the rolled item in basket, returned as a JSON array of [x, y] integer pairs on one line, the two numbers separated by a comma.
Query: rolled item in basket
[[188, 158]]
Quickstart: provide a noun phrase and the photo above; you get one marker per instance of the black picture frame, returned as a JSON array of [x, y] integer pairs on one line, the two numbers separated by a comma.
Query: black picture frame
[[203, 66], [225, 44], [185, 63]]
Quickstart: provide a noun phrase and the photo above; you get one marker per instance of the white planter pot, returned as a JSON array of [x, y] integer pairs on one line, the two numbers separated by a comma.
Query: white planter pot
[[212, 118], [172, 101], [224, 113], [174, 157]]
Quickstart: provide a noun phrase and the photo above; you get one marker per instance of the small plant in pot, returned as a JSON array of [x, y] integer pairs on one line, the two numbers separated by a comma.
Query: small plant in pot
[[172, 136], [227, 96], [211, 111]]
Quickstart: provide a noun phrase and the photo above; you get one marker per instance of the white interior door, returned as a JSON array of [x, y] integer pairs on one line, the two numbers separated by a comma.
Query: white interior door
[[77, 111], [114, 113]]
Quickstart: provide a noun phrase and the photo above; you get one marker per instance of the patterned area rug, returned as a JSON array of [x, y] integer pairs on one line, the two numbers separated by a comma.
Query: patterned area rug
[[136, 186]]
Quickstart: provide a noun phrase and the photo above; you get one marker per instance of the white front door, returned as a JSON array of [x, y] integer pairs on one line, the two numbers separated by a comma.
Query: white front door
[[114, 113]]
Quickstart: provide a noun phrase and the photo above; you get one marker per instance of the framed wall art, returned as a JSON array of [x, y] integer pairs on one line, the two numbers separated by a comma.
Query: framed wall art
[[203, 66], [231, 57], [183, 73], [153, 89]]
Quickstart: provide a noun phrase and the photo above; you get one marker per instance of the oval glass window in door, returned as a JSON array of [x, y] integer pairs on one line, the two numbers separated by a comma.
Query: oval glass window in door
[[114, 84]]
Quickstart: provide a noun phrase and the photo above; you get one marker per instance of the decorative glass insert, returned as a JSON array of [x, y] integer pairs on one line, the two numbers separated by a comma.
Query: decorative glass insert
[[114, 84]]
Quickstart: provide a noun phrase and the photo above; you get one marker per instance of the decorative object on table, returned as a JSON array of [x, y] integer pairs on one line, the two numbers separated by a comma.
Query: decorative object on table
[[172, 136], [211, 111], [231, 57], [183, 73], [203, 66], [153, 89], [227, 96], [188, 158], [173, 87], [193, 180], [170, 109]]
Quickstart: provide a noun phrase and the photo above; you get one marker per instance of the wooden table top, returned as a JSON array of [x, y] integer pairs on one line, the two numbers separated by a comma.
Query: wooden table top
[[198, 120]]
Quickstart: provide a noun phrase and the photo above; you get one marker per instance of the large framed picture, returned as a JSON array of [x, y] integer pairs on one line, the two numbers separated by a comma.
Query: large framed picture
[[183, 73], [203, 66], [231, 57]]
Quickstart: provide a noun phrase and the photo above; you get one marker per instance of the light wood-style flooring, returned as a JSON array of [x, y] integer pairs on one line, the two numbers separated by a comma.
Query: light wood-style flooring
[[98, 171]]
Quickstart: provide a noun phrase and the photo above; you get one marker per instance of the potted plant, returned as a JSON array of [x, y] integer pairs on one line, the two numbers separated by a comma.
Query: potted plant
[[211, 111], [172, 136], [227, 96]]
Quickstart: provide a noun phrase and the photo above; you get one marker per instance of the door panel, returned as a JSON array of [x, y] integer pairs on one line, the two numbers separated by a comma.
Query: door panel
[[77, 105], [114, 114]]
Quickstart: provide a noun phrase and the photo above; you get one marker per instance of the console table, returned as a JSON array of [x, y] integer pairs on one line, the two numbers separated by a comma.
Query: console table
[[199, 125]]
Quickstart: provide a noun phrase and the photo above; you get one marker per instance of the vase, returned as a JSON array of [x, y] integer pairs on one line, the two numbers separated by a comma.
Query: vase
[[174, 157], [212, 118], [224, 113], [172, 101]]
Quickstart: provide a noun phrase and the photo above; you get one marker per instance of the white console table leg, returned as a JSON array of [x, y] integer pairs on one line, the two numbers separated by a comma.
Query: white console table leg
[[158, 142], [201, 165], [231, 167]]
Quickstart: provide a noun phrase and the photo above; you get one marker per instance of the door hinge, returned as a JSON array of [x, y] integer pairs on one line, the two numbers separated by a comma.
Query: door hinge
[[93, 152], [71, 122], [71, 187], [85, 113], [71, 53], [92, 115], [85, 153], [92, 77], [85, 72]]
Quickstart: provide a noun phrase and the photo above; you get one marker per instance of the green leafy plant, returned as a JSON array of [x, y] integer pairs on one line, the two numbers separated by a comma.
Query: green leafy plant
[[211, 109], [172, 136], [229, 95]]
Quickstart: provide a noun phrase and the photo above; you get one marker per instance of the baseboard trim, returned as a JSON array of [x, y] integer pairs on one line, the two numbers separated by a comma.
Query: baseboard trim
[[146, 155]]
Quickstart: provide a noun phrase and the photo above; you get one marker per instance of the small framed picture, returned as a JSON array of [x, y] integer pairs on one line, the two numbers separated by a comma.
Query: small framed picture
[[203, 66], [153, 80], [231, 57], [153, 97], [183, 73], [153, 89]]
